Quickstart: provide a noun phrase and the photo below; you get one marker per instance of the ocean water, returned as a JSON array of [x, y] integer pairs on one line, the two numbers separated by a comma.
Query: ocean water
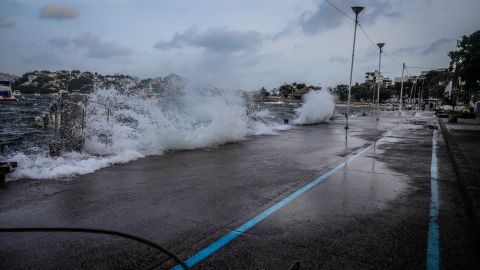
[[120, 127], [17, 124]]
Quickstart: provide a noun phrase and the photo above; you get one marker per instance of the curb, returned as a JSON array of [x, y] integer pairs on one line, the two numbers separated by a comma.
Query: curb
[[465, 176]]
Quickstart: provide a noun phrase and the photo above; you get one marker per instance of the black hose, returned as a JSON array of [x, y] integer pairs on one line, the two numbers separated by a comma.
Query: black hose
[[100, 231]]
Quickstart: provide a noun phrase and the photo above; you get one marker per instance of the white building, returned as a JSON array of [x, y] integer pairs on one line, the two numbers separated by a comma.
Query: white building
[[372, 78]]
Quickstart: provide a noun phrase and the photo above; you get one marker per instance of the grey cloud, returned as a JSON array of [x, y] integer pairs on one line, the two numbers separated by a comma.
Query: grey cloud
[[423, 50], [14, 3], [59, 42], [406, 50], [435, 46], [41, 60], [323, 18], [326, 17], [226, 56], [179, 39], [224, 40], [5, 22], [58, 12], [338, 59], [377, 9], [96, 48], [214, 40], [370, 55]]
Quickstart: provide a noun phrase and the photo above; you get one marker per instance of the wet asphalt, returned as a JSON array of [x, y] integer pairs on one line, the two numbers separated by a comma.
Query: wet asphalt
[[371, 214]]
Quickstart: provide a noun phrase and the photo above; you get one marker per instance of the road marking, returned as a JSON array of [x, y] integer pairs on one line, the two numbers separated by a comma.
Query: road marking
[[433, 248], [215, 246]]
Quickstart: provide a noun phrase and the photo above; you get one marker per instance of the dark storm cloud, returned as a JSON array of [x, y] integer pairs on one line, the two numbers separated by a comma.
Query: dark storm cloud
[[59, 42], [436, 45], [227, 40], [377, 9], [5, 22], [323, 18], [58, 12], [214, 40], [326, 17], [179, 39], [406, 50], [97, 48]]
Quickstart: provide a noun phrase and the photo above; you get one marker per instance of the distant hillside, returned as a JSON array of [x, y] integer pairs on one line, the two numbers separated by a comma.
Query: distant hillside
[[45, 82], [167, 85], [7, 77]]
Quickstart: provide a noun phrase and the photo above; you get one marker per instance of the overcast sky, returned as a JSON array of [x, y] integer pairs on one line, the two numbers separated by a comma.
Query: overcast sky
[[230, 43]]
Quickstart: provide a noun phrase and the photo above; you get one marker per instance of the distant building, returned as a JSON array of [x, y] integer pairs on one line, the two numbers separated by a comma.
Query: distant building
[[373, 78], [421, 77], [425, 72], [410, 79], [387, 82]]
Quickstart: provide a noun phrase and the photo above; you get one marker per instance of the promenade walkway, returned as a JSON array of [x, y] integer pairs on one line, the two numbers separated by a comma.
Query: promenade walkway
[[383, 196]]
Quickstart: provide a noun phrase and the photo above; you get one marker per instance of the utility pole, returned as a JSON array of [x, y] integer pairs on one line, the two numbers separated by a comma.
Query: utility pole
[[380, 46], [412, 94], [373, 98], [356, 10], [420, 101], [68, 79], [401, 89]]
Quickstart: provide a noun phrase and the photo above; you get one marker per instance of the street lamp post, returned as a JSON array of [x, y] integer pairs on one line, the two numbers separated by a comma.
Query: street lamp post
[[380, 46], [357, 11], [401, 90], [373, 99]]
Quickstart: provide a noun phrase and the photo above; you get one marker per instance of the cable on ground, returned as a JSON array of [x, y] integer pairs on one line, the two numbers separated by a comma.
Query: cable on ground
[[100, 231]]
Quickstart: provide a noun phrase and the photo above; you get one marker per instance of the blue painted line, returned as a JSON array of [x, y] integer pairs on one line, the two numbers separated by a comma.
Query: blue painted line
[[433, 248], [215, 246]]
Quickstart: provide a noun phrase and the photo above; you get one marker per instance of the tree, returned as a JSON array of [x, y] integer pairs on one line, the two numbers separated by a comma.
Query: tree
[[286, 90], [435, 83], [341, 91], [264, 93], [360, 92], [466, 60], [300, 85], [275, 92]]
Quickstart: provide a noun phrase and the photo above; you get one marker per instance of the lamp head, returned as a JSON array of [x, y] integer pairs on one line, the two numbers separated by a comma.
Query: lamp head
[[380, 45], [357, 9]]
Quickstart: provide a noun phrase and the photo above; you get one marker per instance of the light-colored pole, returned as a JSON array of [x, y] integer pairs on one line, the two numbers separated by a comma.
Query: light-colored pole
[[356, 10], [414, 90], [380, 46], [401, 89], [373, 98]]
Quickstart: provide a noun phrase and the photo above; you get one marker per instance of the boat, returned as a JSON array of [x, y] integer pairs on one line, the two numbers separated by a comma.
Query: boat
[[17, 93], [6, 92]]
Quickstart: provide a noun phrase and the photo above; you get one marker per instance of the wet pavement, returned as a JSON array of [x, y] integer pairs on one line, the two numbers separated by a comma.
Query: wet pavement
[[373, 213], [464, 147]]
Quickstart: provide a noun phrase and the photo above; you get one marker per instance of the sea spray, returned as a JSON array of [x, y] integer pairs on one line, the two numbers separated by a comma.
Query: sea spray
[[318, 107], [122, 127]]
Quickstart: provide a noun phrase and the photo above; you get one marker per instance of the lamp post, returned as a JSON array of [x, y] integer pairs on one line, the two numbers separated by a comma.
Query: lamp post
[[357, 11], [401, 90], [380, 46]]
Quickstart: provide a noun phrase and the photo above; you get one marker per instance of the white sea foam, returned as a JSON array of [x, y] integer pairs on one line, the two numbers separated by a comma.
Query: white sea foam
[[138, 126], [318, 107]]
